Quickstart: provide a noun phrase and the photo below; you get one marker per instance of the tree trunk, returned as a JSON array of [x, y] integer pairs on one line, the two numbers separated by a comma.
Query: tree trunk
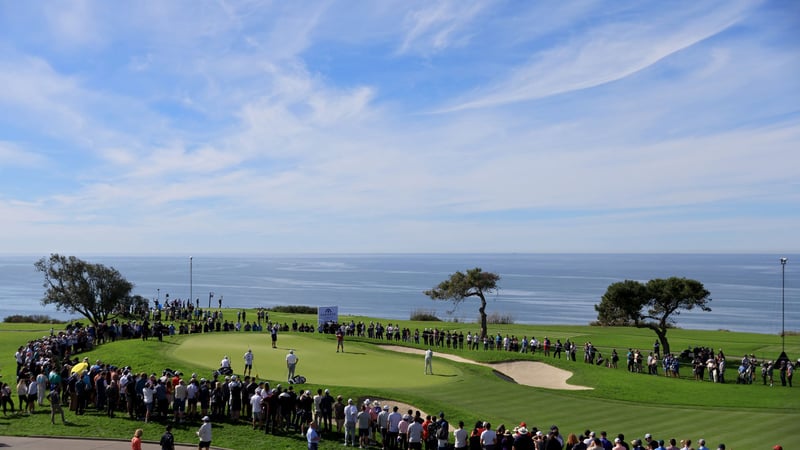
[[662, 337], [482, 310]]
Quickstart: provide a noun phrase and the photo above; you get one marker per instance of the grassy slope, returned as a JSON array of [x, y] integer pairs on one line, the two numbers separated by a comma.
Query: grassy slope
[[633, 404]]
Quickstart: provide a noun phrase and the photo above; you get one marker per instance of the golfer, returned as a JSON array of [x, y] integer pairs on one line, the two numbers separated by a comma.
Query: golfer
[[291, 363], [248, 362], [429, 362]]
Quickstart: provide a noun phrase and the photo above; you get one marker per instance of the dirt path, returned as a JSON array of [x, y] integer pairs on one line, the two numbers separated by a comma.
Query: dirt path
[[529, 373]]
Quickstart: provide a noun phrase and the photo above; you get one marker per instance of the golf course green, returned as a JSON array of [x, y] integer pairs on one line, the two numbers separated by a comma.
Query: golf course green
[[363, 365]]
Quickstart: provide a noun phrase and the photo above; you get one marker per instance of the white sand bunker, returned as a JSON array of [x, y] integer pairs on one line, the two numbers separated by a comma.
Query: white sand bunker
[[529, 373]]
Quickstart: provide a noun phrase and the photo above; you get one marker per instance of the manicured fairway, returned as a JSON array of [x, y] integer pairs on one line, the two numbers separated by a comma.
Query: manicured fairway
[[361, 365]]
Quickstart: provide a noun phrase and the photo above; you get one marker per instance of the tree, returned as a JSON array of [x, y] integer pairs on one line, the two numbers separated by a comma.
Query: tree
[[653, 305], [460, 286], [76, 286]]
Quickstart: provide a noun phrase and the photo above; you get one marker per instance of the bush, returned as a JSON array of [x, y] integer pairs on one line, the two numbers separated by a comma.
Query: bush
[[294, 309], [500, 319], [36, 318], [424, 316]]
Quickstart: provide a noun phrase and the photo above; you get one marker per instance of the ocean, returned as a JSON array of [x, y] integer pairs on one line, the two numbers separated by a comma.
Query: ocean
[[534, 288]]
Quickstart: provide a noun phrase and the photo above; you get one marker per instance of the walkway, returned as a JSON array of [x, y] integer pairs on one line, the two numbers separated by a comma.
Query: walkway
[[38, 443]]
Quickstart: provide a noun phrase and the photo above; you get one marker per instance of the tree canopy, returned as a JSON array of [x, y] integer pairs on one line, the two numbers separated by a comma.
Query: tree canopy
[[651, 305], [460, 286], [94, 291]]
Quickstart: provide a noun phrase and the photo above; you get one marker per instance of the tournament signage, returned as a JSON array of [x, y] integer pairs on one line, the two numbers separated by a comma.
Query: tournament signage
[[327, 314]]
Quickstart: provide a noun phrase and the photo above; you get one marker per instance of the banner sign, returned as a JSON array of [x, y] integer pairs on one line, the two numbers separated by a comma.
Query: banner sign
[[327, 314]]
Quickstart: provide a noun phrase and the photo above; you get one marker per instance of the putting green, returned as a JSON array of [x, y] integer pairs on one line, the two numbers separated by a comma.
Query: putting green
[[362, 365]]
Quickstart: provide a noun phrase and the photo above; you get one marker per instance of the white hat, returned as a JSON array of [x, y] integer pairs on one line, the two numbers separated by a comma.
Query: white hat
[[206, 419]]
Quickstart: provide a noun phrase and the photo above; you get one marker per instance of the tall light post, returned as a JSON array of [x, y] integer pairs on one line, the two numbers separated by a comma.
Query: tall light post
[[190, 278], [783, 303]]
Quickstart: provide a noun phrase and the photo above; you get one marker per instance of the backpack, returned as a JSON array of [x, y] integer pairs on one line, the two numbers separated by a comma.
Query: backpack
[[433, 431], [442, 432]]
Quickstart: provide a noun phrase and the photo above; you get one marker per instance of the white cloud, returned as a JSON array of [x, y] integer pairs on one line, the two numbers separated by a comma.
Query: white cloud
[[11, 155], [436, 26], [235, 127], [73, 23], [606, 53]]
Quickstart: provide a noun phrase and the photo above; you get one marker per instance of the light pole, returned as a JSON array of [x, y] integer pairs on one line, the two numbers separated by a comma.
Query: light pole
[[783, 307], [190, 278], [210, 296]]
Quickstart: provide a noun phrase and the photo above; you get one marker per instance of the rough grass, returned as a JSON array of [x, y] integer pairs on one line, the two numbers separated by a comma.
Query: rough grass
[[621, 402]]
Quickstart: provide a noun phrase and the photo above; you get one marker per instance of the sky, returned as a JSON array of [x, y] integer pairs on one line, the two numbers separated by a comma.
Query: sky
[[185, 127]]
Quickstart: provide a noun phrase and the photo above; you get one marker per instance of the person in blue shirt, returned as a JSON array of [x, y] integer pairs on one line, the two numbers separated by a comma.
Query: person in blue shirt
[[312, 436]]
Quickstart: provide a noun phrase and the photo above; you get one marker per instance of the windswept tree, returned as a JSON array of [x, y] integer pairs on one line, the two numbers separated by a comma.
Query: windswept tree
[[653, 305], [94, 291], [460, 286]]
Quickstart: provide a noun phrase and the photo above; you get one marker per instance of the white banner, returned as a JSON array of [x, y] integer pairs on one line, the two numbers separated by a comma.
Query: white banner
[[327, 314]]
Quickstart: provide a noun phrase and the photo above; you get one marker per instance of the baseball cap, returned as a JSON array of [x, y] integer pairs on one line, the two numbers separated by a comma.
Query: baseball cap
[[777, 447]]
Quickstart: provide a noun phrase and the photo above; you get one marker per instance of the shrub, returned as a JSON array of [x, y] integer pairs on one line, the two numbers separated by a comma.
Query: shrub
[[294, 309], [36, 318], [424, 316], [500, 319]]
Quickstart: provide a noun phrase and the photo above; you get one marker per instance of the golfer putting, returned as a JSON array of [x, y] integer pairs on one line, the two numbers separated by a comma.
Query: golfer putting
[[429, 362], [291, 363]]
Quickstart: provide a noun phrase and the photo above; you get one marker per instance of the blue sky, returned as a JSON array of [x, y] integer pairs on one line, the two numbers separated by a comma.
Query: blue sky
[[454, 126]]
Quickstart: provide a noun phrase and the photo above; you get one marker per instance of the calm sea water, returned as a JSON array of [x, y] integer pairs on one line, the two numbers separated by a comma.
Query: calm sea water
[[535, 288]]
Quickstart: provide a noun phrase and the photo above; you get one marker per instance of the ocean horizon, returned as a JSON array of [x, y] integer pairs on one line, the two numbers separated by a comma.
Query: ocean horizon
[[746, 289]]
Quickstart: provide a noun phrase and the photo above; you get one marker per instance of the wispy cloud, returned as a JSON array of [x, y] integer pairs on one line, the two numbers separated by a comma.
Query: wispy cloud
[[602, 54], [244, 126], [12, 155], [437, 26]]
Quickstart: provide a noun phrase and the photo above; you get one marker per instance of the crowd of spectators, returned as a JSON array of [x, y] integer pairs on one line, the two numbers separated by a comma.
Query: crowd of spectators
[[50, 369]]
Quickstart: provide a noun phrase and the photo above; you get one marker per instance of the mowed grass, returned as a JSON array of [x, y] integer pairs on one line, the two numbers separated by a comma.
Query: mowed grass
[[621, 402], [318, 360]]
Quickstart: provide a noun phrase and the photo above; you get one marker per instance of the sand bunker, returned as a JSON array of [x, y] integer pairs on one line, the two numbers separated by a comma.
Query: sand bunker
[[529, 373]]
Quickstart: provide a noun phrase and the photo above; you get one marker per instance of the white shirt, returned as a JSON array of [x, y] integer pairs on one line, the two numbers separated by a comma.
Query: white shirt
[[225, 362], [350, 413], [180, 392], [415, 432], [291, 358], [148, 393], [255, 401], [488, 437], [205, 432], [191, 391], [460, 436], [248, 358]]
